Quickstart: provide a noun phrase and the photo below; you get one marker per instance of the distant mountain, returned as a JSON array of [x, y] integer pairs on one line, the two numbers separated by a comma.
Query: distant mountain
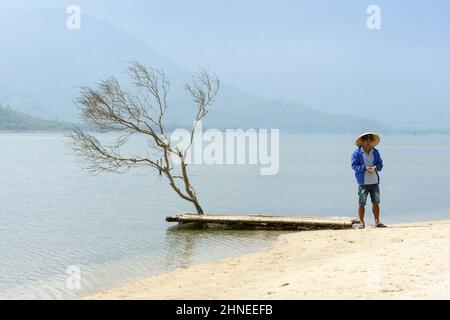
[[43, 64], [11, 120]]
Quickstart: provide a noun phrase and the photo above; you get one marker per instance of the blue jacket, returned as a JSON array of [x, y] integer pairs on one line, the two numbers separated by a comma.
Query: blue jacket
[[359, 167]]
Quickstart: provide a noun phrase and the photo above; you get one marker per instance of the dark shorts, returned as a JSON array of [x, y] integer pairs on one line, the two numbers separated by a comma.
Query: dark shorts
[[365, 189]]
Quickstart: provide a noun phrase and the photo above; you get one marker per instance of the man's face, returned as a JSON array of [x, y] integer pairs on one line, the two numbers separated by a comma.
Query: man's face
[[367, 143]]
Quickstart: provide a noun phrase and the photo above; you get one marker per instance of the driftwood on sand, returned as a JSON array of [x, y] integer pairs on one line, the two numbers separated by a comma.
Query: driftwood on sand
[[265, 221]]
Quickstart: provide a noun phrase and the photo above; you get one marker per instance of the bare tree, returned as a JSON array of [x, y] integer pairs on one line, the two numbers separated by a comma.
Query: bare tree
[[109, 107]]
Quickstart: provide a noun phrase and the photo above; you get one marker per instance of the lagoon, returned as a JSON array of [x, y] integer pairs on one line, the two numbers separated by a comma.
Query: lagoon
[[55, 215]]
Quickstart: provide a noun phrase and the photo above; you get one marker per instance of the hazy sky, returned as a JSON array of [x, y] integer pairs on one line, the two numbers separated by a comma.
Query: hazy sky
[[318, 52]]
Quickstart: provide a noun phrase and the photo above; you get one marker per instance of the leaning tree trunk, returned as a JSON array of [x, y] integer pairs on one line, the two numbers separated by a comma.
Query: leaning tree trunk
[[197, 206], [188, 187]]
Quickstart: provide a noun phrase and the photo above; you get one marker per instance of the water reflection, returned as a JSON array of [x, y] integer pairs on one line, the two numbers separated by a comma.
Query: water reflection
[[187, 245]]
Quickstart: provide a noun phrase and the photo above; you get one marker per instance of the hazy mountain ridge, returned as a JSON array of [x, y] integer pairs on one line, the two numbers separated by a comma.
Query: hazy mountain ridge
[[44, 63], [12, 120]]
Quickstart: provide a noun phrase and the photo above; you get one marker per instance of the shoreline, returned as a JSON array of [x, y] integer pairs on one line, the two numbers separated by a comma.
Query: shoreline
[[403, 261]]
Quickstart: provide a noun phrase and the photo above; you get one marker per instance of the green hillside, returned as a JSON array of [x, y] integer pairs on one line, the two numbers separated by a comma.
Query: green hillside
[[12, 120]]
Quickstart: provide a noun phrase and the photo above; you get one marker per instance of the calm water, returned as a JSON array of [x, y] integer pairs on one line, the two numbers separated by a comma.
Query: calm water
[[54, 215]]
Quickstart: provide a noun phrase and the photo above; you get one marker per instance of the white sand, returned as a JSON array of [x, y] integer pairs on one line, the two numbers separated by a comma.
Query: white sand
[[399, 262]]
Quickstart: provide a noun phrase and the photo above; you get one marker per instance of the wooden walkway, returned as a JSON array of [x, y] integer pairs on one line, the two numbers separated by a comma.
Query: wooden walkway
[[266, 221]]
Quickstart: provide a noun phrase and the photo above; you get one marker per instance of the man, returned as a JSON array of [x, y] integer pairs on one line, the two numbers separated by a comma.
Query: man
[[366, 162]]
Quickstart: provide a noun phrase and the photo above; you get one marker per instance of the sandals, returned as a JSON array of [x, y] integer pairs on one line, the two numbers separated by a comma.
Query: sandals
[[380, 225]]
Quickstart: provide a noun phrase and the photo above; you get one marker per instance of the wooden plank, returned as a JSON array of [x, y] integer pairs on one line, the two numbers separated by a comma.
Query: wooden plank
[[306, 217], [258, 219]]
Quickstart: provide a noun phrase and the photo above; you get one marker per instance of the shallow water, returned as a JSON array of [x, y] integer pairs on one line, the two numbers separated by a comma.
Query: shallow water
[[55, 215]]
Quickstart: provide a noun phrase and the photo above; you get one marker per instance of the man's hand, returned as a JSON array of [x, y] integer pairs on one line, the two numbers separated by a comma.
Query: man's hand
[[371, 169]]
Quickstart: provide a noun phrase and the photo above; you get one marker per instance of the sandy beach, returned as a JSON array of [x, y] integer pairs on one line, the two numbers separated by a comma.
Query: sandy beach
[[404, 261]]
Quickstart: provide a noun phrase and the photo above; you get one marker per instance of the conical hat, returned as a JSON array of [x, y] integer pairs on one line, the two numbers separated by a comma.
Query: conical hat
[[375, 139]]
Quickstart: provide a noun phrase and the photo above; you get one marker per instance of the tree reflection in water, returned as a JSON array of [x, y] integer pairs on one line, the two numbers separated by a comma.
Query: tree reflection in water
[[188, 245]]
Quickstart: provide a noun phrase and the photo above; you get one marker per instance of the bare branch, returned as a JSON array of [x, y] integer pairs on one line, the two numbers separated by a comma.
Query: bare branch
[[203, 89], [156, 83], [100, 158]]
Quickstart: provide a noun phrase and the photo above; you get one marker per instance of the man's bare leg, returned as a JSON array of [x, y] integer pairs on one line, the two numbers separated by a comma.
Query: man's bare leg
[[361, 211], [376, 212]]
